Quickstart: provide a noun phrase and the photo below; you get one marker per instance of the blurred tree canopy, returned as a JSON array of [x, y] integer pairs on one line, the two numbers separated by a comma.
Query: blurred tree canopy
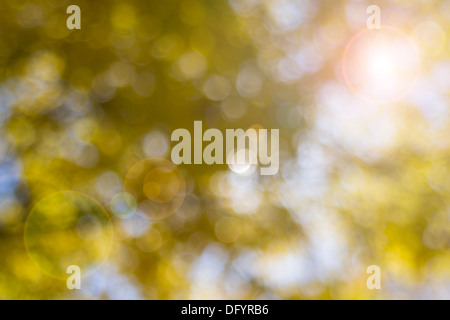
[[361, 182]]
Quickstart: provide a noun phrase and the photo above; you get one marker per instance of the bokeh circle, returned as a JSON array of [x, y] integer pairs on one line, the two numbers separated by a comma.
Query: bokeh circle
[[68, 228], [157, 186], [381, 65], [123, 205]]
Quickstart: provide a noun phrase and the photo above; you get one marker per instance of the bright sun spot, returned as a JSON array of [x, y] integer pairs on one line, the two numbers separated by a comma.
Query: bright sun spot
[[381, 66]]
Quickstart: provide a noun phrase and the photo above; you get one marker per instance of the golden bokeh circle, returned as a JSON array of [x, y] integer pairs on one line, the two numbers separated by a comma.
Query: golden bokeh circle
[[68, 228], [157, 186]]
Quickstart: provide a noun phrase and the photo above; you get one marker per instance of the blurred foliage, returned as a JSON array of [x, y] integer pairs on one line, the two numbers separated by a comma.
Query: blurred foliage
[[361, 183]]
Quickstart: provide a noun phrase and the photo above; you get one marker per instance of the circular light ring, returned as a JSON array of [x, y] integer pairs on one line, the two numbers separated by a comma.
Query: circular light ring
[[345, 74], [68, 228], [157, 186]]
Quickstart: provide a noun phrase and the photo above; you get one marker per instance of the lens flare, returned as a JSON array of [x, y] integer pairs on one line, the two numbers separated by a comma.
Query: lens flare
[[381, 65], [68, 228], [157, 187]]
